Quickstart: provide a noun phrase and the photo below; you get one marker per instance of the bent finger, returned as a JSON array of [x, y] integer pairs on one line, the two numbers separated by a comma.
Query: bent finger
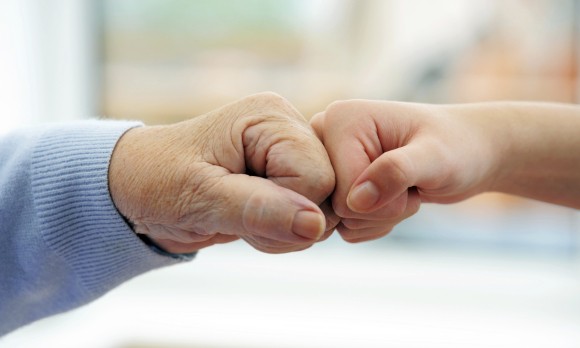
[[362, 235]]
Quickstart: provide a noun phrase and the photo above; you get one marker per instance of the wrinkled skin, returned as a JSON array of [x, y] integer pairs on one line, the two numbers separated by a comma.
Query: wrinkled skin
[[253, 169]]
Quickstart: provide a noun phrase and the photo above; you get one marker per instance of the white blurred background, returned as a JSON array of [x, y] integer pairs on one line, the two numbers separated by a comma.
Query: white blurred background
[[495, 271]]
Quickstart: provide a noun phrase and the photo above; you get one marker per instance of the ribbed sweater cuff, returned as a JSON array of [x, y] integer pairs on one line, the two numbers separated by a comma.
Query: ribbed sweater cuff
[[76, 213]]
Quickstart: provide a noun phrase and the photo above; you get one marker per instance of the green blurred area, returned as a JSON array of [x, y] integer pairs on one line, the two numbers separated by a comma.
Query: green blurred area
[[176, 30]]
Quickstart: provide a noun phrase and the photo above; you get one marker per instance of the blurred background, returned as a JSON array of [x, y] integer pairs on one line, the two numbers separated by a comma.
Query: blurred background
[[492, 271]]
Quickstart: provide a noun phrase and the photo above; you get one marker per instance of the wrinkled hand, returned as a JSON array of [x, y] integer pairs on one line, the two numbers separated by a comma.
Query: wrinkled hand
[[389, 157], [253, 169]]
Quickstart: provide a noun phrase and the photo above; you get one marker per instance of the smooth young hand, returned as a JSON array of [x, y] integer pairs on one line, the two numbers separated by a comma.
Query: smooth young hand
[[389, 157]]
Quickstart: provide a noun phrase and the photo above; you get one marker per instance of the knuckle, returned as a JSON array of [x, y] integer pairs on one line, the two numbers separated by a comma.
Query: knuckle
[[397, 166], [269, 96], [353, 224], [326, 235], [255, 214], [384, 232], [396, 209], [271, 99], [374, 236], [332, 220], [334, 107], [326, 182], [345, 233], [413, 206], [341, 109], [387, 230], [338, 107], [341, 209], [270, 105]]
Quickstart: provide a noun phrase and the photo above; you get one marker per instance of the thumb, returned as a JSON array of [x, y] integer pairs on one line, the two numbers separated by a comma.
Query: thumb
[[270, 216], [390, 175]]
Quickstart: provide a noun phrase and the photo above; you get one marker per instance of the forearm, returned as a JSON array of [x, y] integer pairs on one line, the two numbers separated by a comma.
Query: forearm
[[62, 242], [537, 147]]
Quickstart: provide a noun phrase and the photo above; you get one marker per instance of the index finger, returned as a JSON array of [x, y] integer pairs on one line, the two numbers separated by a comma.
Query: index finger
[[352, 144], [281, 146]]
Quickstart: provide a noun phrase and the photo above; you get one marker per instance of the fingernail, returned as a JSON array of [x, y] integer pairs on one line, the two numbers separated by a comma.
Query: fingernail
[[308, 224], [363, 197]]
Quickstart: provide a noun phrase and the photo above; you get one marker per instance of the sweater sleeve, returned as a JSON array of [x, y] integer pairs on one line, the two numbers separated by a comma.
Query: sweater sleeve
[[62, 241]]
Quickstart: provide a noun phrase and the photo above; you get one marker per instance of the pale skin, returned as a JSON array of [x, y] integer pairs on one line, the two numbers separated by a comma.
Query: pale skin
[[253, 169], [390, 157]]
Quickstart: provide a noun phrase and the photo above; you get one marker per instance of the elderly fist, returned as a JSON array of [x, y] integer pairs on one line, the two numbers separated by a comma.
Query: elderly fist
[[253, 169]]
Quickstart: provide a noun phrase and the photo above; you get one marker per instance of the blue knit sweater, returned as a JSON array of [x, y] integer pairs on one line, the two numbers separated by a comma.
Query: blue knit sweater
[[62, 242]]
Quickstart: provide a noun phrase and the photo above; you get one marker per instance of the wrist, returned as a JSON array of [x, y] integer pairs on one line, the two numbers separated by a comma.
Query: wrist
[[489, 141], [159, 249], [538, 150], [121, 169]]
